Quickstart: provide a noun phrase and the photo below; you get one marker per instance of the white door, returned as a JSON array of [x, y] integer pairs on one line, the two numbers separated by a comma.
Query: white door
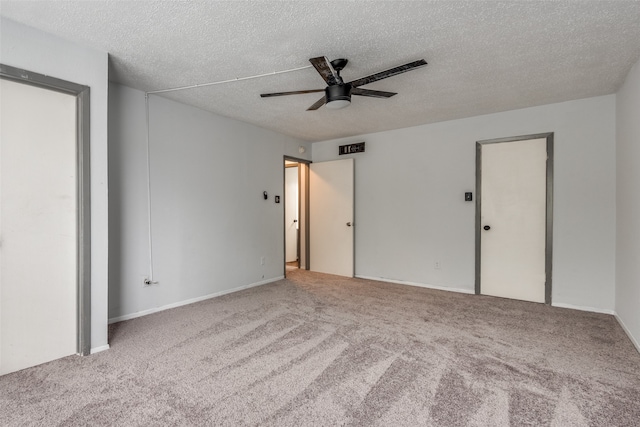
[[513, 219], [291, 213], [38, 235], [331, 202]]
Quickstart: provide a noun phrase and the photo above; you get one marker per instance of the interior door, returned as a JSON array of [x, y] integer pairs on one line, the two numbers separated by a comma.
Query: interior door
[[331, 194], [38, 226], [291, 213], [513, 220]]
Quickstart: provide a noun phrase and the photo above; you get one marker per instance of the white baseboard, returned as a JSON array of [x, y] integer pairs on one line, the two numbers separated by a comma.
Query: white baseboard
[[582, 308], [420, 285], [190, 301], [628, 332], [99, 349]]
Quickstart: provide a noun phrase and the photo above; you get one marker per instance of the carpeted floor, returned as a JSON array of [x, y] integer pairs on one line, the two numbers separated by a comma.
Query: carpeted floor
[[323, 350]]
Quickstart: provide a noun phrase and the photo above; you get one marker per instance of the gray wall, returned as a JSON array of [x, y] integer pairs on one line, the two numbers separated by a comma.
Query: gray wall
[[32, 50], [628, 204], [210, 223], [410, 212]]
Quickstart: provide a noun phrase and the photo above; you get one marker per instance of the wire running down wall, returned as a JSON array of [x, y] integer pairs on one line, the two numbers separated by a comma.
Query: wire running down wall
[[210, 223]]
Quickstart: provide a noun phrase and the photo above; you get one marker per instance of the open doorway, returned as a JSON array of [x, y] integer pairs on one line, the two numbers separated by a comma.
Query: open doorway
[[296, 217]]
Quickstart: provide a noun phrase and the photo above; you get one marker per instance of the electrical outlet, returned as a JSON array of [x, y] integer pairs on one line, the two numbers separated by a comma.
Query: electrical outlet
[[437, 265], [261, 260]]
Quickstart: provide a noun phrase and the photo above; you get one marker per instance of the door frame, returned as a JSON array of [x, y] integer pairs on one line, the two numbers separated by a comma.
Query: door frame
[[284, 202], [306, 208], [83, 190], [549, 207]]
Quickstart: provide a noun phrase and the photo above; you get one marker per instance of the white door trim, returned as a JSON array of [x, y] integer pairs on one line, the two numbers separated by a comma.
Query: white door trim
[[549, 207], [83, 189]]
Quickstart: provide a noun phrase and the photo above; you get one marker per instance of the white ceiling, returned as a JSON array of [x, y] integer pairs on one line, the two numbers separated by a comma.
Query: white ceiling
[[483, 57]]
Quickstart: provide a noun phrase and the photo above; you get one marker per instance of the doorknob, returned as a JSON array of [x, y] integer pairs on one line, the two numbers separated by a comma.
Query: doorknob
[[349, 224], [486, 227]]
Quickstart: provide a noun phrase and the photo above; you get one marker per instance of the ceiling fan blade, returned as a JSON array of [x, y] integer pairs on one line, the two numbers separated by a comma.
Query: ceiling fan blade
[[324, 67], [371, 93], [388, 73], [295, 92], [319, 103]]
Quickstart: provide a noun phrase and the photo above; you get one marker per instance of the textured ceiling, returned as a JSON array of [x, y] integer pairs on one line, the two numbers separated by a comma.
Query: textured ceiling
[[483, 57]]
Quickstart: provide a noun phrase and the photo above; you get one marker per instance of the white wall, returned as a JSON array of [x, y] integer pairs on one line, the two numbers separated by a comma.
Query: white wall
[[210, 222], [32, 50], [410, 186], [628, 204]]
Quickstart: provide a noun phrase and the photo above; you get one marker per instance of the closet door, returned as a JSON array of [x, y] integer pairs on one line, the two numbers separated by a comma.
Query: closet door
[[38, 226], [513, 219]]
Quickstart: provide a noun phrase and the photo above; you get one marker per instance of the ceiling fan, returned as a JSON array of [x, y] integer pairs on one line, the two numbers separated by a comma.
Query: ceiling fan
[[337, 94]]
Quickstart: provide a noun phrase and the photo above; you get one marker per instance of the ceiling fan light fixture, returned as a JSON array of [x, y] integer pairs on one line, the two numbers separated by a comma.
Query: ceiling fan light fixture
[[338, 96], [338, 104]]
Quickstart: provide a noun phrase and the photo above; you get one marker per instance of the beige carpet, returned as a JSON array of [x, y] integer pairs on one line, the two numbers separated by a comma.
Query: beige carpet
[[323, 350]]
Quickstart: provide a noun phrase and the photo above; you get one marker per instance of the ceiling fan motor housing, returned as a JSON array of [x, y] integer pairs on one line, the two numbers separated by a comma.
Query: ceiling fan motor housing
[[338, 93]]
